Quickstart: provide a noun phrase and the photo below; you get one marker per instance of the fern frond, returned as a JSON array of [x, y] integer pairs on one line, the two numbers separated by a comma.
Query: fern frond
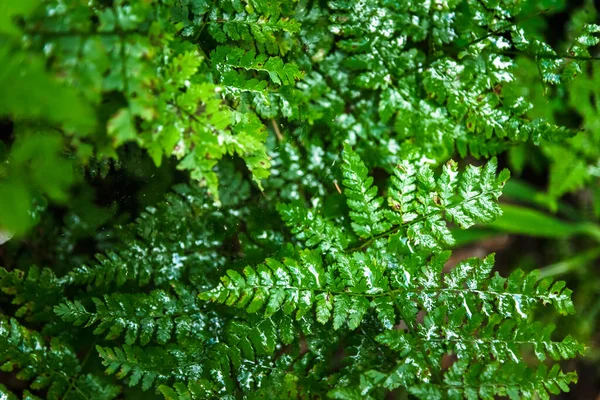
[[268, 102], [269, 8], [354, 286], [27, 351], [34, 291], [201, 389], [510, 379], [249, 27], [292, 375], [140, 316], [237, 83], [290, 286], [171, 105], [275, 383], [367, 218], [470, 285], [219, 363], [466, 379], [279, 72], [92, 386], [312, 229], [8, 395], [207, 116], [53, 367], [149, 365], [164, 244], [463, 99], [443, 332], [421, 203], [368, 302], [574, 163], [555, 68], [249, 143]]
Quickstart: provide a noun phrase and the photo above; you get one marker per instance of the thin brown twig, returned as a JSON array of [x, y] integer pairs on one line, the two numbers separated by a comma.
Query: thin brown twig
[[276, 129]]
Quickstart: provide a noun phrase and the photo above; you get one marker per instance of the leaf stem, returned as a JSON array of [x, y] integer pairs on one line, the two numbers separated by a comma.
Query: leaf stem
[[571, 264], [276, 129]]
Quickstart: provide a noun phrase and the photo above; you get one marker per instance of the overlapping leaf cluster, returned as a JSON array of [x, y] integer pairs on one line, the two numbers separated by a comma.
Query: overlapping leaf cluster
[[119, 72], [423, 77], [205, 295], [569, 75], [396, 276]]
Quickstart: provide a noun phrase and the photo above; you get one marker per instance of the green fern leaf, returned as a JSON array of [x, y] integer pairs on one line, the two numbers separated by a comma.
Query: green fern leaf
[[421, 203], [279, 72], [249, 27], [34, 291], [358, 284], [367, 218], [312, 229], [139, 316], [194, 390], [50, 366], [164, 233]]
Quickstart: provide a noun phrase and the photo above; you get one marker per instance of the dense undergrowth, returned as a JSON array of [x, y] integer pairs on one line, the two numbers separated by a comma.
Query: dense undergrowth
[[298, 199]]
